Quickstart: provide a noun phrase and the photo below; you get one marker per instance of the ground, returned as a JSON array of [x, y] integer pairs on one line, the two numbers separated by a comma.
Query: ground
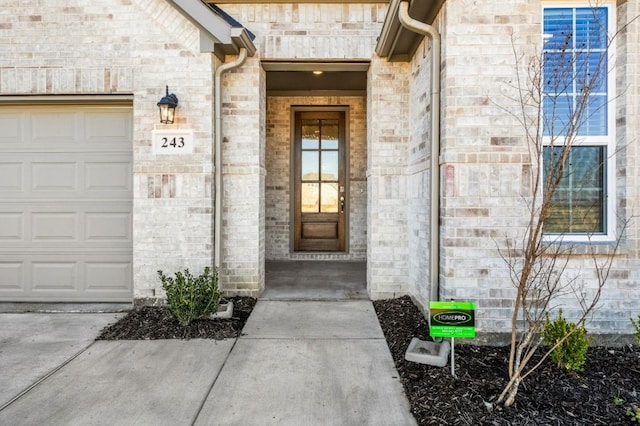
[[608, 388]]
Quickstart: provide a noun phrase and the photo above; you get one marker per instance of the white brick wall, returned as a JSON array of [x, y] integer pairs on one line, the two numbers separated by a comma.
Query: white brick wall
[[387, 142], [419, 175], [243, 170], [312, 31], [128, 47], [484, 156]]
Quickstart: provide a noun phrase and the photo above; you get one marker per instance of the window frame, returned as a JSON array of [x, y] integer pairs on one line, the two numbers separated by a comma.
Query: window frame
[[607, 141]]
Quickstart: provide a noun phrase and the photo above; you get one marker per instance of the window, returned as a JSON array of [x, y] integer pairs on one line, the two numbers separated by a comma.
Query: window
[[578, 202], [578, 111]]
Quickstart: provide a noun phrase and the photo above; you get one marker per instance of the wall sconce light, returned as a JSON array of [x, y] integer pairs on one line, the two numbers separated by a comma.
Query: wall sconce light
[[167, 107]]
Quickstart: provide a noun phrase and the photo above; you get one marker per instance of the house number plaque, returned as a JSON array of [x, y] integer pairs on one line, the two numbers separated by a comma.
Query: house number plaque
[[172, 141]]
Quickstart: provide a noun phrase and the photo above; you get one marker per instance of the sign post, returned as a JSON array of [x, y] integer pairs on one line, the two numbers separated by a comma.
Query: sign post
[[452, 319]]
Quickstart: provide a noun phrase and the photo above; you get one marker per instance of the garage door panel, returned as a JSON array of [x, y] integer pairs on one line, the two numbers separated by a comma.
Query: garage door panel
[[110, 276], [104, 176], [86, 227], [12, 135], [54, 226], [59, 276], [66, 195], [12, 276], [108, 226], [108, 176], [108, 127], [54, 176], [12, 226], [51, 127], [11, 176], [67, 278]]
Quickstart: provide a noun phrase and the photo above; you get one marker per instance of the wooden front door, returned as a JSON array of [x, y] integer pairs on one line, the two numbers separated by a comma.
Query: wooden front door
[[320, 188]]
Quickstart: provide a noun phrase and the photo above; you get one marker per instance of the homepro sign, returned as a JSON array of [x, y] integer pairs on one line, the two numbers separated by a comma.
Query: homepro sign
[[452, 319]]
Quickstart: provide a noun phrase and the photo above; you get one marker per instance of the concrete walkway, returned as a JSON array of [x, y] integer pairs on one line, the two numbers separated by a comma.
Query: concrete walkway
[[299, 363]]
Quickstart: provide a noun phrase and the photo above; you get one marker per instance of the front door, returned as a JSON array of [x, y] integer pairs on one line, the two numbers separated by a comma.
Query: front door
[[320, 196]]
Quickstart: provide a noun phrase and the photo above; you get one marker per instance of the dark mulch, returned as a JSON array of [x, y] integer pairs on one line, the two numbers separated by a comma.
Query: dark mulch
[[550, 396], [154, 322]]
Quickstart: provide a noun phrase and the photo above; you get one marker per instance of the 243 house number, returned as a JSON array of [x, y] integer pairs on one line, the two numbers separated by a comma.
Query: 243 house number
[[175, 142]]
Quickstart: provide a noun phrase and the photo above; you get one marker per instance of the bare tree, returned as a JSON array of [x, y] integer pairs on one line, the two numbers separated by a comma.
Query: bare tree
[[553, 93]]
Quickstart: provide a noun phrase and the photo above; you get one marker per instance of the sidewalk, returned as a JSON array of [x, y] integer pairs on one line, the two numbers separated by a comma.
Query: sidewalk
[[299, 363]]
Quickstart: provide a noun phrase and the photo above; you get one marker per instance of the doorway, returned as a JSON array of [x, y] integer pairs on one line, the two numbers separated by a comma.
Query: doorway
[[320, 181]]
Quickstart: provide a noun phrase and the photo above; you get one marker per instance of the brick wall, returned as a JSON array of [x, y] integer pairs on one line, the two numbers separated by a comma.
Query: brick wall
[[419, 174], [129, 47], [387, 141], [243, 175], [486, 166], [312, 31]]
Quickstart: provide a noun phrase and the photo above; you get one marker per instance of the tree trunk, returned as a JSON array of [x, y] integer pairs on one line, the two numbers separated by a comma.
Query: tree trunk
[[512, 392], [508, 395]]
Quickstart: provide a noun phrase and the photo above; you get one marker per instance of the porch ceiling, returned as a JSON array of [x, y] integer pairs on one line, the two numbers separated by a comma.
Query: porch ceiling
[[297, 78], [398, 43]]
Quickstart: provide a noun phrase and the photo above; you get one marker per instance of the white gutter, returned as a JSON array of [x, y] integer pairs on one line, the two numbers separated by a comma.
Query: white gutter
[[217, 221], [428, 30]]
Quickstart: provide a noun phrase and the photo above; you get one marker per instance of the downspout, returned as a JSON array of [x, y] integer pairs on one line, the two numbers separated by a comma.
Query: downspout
[[428, 30], [217, 221]]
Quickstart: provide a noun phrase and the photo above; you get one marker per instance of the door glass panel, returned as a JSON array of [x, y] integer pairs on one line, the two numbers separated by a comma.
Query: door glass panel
[[310, 165], [310, 197], [310, 134], [329, 165], [330, 134], [329, 197]]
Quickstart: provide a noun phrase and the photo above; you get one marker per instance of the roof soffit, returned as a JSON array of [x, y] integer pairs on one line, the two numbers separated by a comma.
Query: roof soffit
[[398, 43]]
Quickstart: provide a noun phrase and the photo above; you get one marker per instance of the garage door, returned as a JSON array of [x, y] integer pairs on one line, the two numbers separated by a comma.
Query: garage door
[[65, 203]]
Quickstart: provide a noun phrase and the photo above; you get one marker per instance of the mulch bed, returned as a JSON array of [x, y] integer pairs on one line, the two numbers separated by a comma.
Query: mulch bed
[[601, 395], [609, 386], [154, 323]]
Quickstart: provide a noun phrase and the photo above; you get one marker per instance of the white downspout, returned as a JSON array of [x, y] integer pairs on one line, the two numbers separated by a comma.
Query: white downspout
[[428, 30], [217, 221]]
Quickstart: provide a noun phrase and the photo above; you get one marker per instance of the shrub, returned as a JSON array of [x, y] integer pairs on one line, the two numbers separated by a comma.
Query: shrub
[[571, 354], [190, 298], [636, 325], [634, 414]]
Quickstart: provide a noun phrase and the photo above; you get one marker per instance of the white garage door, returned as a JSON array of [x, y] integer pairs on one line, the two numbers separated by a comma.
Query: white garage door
[[65, 203]]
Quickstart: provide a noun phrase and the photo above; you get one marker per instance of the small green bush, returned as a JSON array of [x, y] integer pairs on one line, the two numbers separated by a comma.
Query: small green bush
[[636, 325], [190, 298], [617, 399], [634, 414], [571, 354]]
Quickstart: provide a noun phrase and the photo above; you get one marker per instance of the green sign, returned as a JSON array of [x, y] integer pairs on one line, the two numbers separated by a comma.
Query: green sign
[[452, 319]]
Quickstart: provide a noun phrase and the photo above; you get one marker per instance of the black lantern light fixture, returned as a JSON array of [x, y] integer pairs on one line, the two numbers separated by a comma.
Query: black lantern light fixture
[[167, 107]]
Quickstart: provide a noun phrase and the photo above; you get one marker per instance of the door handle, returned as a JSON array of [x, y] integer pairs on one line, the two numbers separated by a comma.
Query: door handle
[[342, 204]]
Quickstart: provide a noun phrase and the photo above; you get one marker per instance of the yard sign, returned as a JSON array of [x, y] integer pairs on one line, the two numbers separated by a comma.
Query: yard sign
[[452, 319]]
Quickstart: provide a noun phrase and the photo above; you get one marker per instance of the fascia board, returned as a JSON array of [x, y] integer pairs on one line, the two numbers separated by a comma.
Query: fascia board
[[241, 38], [201, 15], [390, 30]]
